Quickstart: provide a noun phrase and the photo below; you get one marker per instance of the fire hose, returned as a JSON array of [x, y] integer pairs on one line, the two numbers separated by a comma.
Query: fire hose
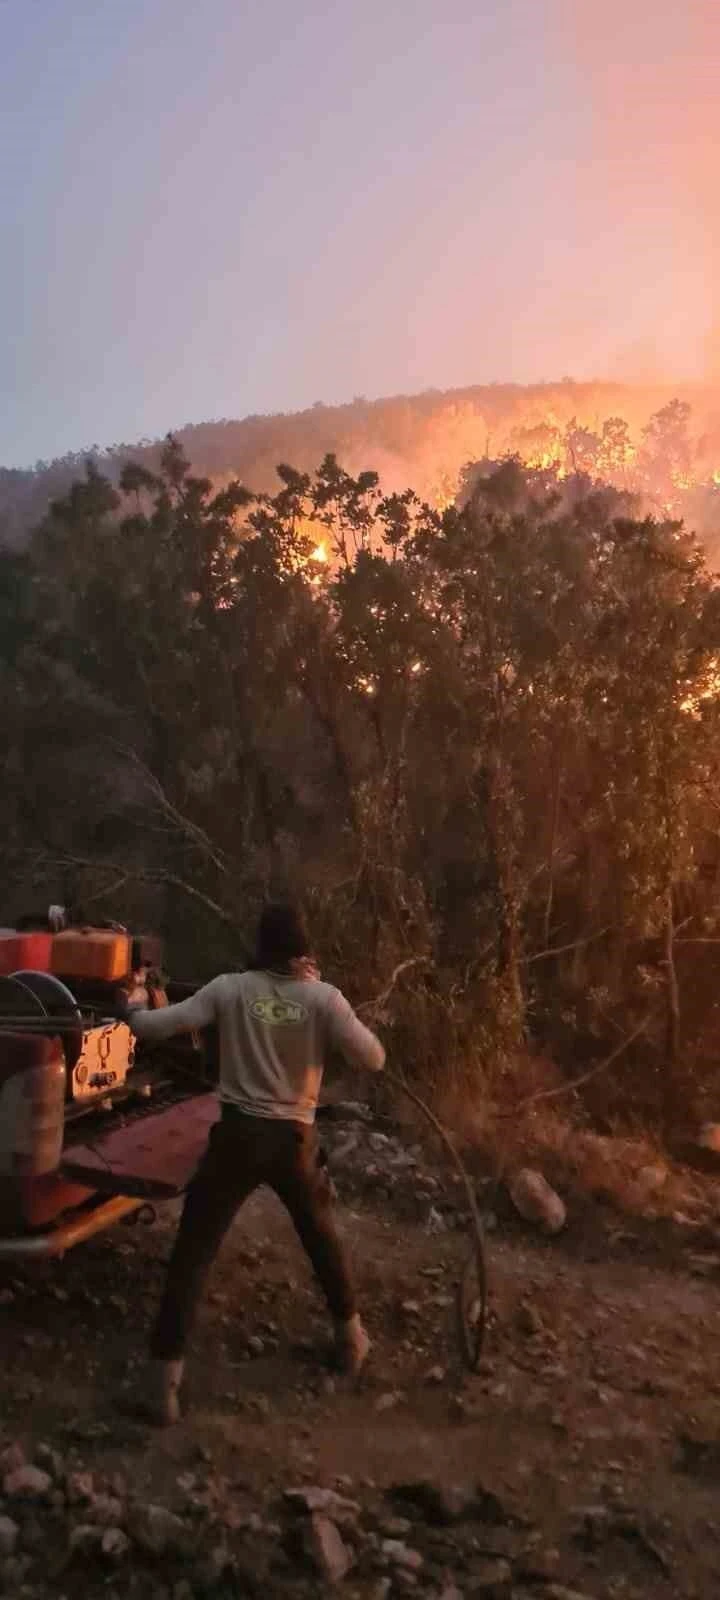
[[472, 1289]]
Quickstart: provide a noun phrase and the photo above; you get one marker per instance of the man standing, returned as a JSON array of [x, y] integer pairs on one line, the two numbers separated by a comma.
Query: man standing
[[277, 1024]]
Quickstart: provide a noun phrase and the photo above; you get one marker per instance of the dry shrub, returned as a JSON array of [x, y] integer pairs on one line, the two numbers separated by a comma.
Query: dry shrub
[[632, 1173]]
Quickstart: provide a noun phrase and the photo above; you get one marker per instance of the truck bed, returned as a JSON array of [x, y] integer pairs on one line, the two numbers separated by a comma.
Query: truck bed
[[149, 1152]]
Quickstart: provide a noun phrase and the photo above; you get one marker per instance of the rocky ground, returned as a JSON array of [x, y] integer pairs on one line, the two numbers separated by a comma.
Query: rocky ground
[[581, 1462]]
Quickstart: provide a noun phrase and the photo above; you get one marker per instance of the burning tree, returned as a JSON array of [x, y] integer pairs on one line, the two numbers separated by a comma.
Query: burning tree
[[479, 741]]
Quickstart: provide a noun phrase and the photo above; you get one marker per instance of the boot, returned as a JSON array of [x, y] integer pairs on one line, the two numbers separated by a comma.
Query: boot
[[352, 1346]]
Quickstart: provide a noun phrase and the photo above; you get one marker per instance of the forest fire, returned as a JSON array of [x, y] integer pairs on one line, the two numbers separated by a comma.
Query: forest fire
[[665, 458]]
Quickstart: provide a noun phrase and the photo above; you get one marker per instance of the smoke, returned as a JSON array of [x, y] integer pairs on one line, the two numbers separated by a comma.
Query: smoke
[[646, 75]]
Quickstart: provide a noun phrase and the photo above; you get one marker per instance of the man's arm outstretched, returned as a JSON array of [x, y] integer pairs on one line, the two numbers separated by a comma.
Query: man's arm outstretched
[[189, 1016]]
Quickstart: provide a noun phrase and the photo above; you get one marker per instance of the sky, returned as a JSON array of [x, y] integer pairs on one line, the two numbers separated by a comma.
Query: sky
[[218, 209]]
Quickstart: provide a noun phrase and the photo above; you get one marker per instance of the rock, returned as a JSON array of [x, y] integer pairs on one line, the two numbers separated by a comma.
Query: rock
[[51, 1460], [105, 1511], [87, 1430], [250, 1524], [466, 1407], [315, 1501], [325, 1548], [27, 1483], [395, 1527], [558, 1591], [157, 1530], [436, 1375], [493, 1579], [528, 1319], [9, 1535], [387, 1402], [703, 1265], [649, 1180], [535, 1200], [346, 1111], [538, 1566], [438, 1504], [11, 1459], [115, 1544], [401, 1555], [85, 1539], [709, 1137], [593, 1524], [256, 1346], [339, 1156], [79, 1488]]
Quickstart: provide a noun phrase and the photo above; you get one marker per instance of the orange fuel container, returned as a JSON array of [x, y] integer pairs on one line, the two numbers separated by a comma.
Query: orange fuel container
[[97, 953], [28, 952]]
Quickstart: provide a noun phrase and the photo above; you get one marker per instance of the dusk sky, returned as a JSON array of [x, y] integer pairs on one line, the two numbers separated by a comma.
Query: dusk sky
[[222, 208]]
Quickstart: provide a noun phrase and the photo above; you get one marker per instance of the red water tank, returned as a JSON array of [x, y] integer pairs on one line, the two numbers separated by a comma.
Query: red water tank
[[32, 1111], [28, 950]]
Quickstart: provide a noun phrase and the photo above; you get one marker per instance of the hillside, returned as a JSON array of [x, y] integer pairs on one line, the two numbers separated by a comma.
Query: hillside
[[420, 440]]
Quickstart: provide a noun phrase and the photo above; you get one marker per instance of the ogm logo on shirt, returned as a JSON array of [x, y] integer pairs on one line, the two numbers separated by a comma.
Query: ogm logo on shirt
[[277, 1013]]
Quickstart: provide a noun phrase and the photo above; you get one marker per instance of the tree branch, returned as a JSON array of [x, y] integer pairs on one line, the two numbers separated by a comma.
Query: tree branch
[[166, 806], [563, 949], [585, 1077], [403, 966], [145, 875]]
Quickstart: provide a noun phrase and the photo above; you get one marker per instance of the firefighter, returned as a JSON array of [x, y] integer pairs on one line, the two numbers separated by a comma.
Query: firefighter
[[277, 1023]]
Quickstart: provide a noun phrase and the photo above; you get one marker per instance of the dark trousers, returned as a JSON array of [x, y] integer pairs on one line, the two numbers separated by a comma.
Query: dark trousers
[[244, 1152]]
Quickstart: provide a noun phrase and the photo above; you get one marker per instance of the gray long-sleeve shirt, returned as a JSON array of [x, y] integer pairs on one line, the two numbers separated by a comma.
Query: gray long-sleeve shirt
[[275, 1034]]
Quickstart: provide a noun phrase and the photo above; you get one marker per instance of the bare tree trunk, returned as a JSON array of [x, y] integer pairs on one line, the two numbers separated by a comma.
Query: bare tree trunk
[[329, 721], [671, 1097], [554, 824], [501, 841]]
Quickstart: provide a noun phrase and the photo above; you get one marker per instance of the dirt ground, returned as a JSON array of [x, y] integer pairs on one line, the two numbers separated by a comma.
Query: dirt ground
[[594, 1420]]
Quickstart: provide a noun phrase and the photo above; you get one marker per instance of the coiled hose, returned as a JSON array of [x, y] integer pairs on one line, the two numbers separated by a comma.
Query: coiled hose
[[472, 1290]]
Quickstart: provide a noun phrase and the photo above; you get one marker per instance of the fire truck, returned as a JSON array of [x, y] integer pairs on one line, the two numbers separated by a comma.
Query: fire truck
[[93, 1126]]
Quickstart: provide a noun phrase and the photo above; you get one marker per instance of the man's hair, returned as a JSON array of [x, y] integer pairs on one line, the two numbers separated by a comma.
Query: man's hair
[[281, 936]]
